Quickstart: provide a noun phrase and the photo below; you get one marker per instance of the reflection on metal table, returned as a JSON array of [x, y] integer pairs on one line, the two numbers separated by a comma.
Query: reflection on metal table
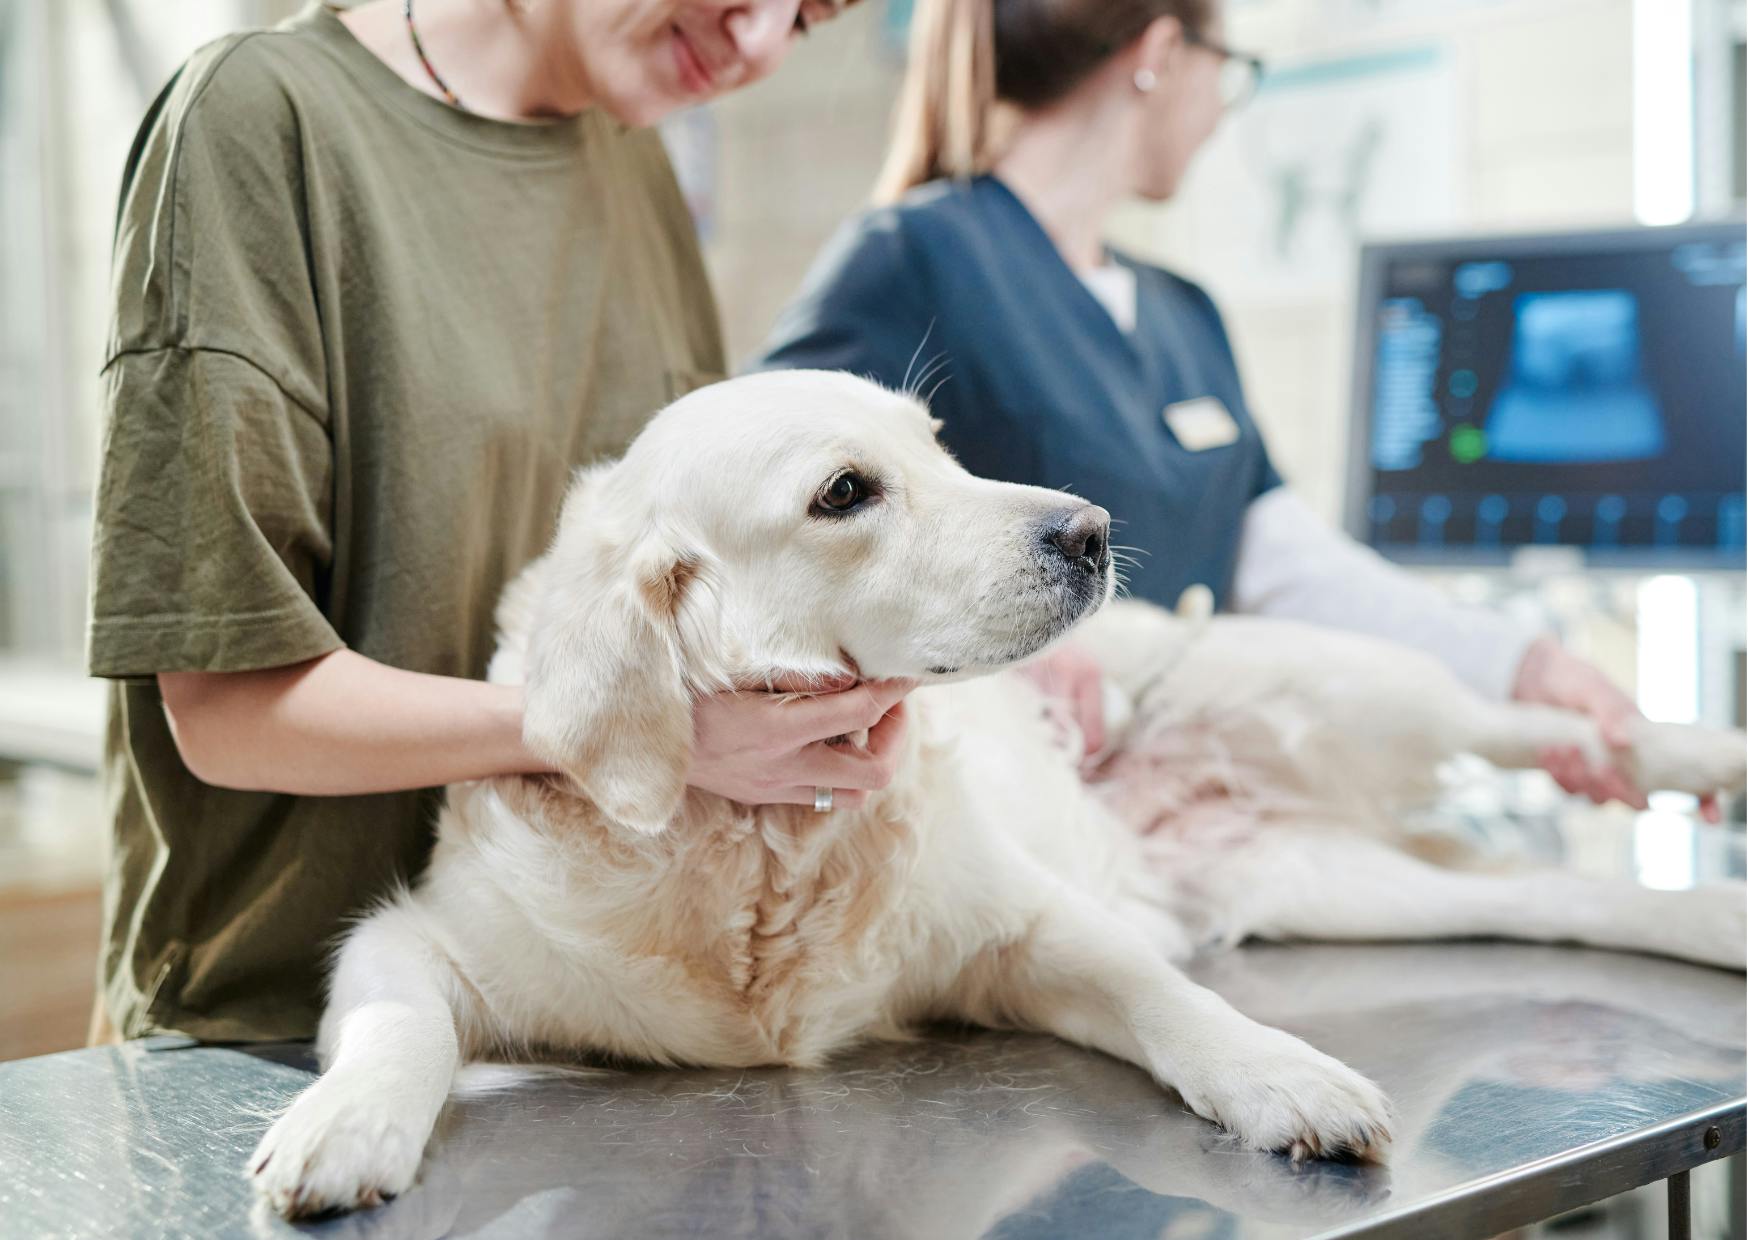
[[1527, 1081]]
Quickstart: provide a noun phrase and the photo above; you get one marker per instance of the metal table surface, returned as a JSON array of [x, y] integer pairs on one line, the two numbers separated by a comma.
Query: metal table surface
[[1527, 1080]]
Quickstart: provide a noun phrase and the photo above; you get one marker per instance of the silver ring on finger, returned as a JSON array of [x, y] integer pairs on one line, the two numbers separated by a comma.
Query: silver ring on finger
[[822, 800]]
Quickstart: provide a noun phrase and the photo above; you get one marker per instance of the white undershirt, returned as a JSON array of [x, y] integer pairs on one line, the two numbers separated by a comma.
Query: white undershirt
[[1113, 285]]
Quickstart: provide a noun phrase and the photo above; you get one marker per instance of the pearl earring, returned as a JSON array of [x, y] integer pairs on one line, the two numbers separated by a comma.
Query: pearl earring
[[1145, 80]]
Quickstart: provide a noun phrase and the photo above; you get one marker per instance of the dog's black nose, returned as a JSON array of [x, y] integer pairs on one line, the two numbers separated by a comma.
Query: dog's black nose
[[1083, 537]]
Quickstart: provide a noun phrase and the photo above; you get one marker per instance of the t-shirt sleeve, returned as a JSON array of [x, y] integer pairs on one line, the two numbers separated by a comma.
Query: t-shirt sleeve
[[212, 538], [862, 308], [211, 541]]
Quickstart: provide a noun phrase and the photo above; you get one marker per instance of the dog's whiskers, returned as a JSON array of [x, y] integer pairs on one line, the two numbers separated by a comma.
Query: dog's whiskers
[[935, 366], [904, 384], [929, 399]]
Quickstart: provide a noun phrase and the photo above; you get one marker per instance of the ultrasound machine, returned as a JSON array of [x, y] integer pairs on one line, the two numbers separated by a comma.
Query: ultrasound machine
[[1582, 391], [1562, 402]]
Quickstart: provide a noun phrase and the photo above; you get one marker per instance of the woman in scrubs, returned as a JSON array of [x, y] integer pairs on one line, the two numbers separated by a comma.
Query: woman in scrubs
[[981, 280]]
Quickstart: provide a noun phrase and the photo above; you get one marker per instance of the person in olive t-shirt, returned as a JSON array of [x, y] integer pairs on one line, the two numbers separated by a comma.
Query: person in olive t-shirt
[[379, 288]]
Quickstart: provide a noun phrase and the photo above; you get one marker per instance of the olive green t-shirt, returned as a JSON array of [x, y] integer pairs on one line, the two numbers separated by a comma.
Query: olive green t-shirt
[[361, 339]]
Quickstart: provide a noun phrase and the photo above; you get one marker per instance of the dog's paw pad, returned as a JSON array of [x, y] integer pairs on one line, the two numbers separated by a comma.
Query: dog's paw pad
[[329, 1154], [1278, 1094]]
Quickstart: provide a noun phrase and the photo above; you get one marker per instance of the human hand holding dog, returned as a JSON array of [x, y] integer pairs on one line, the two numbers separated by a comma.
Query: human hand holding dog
[[1071, 676], [775, 748], [1551, 675]]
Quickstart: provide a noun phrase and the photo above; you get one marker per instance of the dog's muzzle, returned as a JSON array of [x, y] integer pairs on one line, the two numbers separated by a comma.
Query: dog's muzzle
[[1082, 540]]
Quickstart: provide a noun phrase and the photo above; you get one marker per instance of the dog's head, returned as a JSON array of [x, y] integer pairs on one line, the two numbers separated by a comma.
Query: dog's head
[[798, 522]]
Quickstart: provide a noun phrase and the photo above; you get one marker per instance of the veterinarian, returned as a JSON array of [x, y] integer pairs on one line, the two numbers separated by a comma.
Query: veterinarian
[[981, 280], [383, 279]]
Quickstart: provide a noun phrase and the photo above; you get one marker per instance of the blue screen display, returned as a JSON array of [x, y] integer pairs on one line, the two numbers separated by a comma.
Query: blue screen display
[[1585, 399]]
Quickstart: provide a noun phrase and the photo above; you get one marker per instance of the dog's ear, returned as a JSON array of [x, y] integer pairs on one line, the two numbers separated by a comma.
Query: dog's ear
[[606, 699]]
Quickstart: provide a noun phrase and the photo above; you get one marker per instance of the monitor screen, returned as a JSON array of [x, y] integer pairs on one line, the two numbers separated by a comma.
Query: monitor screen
[[1579, 390]]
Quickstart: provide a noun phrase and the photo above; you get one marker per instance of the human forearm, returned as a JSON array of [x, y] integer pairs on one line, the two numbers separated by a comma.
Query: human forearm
[[1295, 566], [343, 725]]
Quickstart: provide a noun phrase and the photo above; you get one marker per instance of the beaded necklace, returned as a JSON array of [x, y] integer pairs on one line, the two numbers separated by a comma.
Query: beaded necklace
[[449, 96]]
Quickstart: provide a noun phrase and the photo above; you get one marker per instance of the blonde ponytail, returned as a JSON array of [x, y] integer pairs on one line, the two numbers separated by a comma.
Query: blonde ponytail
[[970, 59], [942, 122]]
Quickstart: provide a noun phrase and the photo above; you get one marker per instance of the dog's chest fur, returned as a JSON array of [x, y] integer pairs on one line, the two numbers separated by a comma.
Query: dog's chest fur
[[778, 933], [747, 937]]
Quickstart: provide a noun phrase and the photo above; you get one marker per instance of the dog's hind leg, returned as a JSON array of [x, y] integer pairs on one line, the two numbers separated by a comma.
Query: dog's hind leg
[[389, 1044], [1088, 977], [1675, 757], [1289, 883]]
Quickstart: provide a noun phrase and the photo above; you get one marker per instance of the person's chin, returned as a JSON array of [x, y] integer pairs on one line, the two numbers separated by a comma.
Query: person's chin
[[645, 104]]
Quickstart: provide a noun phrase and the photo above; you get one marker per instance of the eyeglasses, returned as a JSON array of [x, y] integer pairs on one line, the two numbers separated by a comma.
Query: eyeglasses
[[1240, 72]]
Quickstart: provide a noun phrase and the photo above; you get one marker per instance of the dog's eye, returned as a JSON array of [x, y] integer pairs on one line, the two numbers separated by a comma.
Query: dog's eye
[[844, 493]]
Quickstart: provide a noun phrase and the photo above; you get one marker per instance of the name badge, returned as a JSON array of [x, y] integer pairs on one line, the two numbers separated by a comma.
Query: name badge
[[1201, 423]]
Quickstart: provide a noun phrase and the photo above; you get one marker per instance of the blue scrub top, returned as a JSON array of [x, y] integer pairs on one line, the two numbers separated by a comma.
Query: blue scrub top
[[1037, 383]]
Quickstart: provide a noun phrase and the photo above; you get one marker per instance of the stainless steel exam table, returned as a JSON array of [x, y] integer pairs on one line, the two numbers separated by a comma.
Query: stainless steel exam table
[[1528, 1081]]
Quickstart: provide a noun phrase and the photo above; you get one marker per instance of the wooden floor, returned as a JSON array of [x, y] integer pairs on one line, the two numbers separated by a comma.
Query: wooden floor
[[48, 968]]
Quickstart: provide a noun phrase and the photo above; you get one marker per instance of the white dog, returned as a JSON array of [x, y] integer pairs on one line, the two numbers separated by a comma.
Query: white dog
[[809, 523]]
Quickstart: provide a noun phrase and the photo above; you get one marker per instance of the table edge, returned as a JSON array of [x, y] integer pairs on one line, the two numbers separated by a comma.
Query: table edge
[[1564, 1181]]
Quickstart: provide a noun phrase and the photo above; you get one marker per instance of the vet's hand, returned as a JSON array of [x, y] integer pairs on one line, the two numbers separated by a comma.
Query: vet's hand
[[1551, 675], [1072, 676], [770, 748]]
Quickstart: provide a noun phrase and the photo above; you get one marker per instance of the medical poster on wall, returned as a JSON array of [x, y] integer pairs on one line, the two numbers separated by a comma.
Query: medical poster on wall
[[1330, 151]]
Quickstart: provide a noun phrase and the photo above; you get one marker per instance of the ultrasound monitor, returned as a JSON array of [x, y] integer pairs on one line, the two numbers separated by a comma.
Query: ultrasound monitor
[[1584, 390]]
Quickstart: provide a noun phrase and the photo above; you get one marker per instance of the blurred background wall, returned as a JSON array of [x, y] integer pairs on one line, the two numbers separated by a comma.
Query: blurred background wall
[[1379, 118]]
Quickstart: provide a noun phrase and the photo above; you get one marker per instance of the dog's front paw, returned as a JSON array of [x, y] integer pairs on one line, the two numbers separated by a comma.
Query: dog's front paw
[[334, 1150], [1276, 1093]]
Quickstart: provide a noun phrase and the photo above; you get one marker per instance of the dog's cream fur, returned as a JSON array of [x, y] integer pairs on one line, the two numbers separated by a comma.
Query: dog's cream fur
[[613, 911]]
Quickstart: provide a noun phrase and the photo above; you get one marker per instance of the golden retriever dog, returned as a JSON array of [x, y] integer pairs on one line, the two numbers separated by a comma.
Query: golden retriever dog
[[805, 523]]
